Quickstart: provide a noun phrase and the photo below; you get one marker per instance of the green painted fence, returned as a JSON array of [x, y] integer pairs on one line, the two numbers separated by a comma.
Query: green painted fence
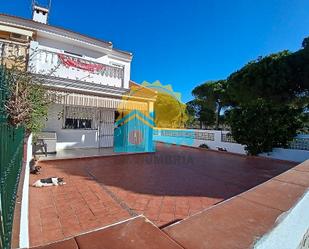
[[11, 152]]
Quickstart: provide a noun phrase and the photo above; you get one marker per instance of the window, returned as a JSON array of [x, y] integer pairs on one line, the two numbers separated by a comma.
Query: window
[[71, 53], [72, 123], [116, 65], [78, 117]]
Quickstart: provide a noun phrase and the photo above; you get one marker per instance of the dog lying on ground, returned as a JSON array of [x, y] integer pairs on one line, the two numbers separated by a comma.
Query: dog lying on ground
[[221, 149], [33, 168], [36, 170], [52, 181]]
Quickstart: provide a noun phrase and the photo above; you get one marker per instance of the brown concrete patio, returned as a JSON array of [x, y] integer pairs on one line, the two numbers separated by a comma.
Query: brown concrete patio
[[169, 185]]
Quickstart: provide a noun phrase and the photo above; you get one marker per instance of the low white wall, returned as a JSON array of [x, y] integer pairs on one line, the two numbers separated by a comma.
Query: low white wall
[[290, 230], [24, 229], [70, 138], [288, 154], [231, 147], [278, 153]]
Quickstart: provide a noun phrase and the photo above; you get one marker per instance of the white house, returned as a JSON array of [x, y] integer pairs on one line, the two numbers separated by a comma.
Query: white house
[[91, 76]]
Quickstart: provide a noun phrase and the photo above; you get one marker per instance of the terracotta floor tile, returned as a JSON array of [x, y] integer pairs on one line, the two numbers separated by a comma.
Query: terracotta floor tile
[[303, 167], [167, 217], [168, 208], [295, 177], [88, 225], [195, 203], [69, 221], [36, 242], [143, 184], [153, 209], [182, 202], [66, 244], [49, 212], [239, 220], [154, 203], [275, 194], [133, 234], [69, 231], [36, 237], [51, 225], [52, 235], [181, 211], [194, 211], [139, 206], [65, 213]]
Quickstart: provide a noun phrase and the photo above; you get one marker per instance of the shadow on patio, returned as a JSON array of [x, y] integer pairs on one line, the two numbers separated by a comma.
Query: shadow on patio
[[171, 184]]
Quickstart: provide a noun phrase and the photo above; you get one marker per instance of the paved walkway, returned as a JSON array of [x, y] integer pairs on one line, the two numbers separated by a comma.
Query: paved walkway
[[166, 186], [237, 223]]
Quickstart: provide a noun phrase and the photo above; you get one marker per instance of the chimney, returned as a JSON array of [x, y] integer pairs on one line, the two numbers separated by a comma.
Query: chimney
[[40, 14]]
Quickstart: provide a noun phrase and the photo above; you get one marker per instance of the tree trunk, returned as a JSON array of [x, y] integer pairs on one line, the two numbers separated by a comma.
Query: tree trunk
[[218, 116]]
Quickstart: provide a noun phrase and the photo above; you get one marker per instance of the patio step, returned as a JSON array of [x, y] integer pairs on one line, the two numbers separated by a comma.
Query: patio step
[[136, 233], [241, 221]]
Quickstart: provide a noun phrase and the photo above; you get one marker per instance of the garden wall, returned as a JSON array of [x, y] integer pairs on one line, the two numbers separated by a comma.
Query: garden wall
[[298, 150]]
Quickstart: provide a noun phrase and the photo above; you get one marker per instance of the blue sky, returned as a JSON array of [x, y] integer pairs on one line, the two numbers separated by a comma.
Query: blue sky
[[181, 42]]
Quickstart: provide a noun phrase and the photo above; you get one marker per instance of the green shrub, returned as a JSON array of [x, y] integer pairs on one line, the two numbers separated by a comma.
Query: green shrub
[[261, 125]]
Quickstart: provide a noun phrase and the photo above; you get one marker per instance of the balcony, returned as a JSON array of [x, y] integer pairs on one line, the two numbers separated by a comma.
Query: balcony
[[13, 53], [74, 72]]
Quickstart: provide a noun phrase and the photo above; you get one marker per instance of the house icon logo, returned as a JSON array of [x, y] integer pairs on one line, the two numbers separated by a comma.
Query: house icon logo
[[134, 133], [138, 124], [135, 121]]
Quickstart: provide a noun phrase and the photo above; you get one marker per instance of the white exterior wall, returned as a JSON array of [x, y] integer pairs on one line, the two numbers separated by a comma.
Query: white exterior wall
[[127, 70], [69, 138], [291, 230], [277, 153], [44, 60], [231, 147]]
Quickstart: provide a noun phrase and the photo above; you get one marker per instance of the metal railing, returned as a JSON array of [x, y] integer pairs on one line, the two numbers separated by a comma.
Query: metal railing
[[11, 152], [227, 137], [200, 135], [299, 143], [49, 63]]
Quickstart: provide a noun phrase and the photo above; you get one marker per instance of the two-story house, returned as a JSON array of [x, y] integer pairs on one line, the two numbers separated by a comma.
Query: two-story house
[[90, 76]]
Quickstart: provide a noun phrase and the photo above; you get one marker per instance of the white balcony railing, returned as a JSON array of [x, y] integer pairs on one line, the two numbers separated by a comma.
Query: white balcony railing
[[75, 68]]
